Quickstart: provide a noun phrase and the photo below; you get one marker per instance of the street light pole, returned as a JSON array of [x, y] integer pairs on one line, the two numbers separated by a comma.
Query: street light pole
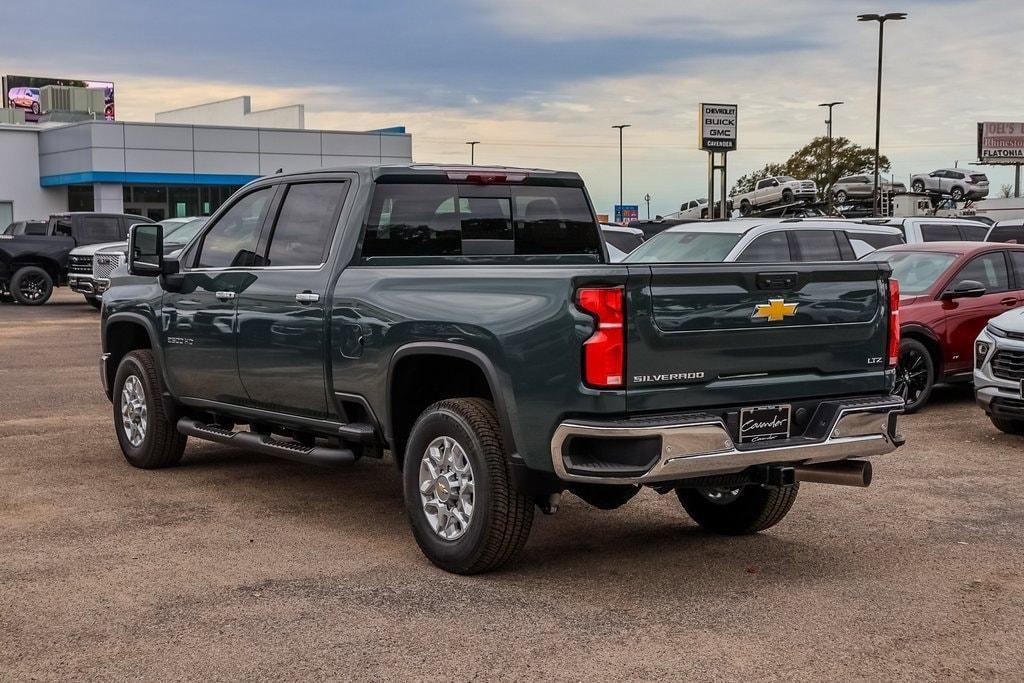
[[472, 149], [620, 127], [881, 19], [647, 198], [828, 125]]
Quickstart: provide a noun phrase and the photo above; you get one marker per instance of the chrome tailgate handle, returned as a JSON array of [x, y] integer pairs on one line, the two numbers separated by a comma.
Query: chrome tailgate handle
[[225, 296], [307, 297]]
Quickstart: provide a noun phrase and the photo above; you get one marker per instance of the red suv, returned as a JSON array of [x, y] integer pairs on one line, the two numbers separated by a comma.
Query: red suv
[[948, 292]]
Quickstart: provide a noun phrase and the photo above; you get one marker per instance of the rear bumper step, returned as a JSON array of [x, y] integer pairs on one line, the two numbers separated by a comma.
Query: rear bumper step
[[267, 445], [701, 445]]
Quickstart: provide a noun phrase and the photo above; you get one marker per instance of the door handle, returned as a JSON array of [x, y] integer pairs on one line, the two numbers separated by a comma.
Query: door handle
[[225, 296], [1009, 301], [307, 297]]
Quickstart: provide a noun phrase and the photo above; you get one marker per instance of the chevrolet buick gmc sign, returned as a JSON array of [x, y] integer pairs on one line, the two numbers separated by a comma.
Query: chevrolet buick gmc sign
[[717, 127]]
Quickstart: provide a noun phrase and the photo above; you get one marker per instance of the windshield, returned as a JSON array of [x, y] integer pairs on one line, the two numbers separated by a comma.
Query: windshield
[[786, 179], [916, 271], [180, 233], [685, 247]]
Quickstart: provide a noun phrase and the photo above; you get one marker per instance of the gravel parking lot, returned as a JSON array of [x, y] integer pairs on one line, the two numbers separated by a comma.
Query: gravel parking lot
[[239, 566]]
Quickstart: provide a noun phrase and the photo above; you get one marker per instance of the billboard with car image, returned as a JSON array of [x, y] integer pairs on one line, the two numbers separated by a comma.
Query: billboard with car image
[[22, 92]]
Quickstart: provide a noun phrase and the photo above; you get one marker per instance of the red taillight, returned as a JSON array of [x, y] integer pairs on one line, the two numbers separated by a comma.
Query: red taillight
[[894, 323], [486, 176], [604, 351]]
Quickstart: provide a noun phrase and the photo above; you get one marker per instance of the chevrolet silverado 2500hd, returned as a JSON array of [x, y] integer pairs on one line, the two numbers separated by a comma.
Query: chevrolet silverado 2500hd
[[466, 320]]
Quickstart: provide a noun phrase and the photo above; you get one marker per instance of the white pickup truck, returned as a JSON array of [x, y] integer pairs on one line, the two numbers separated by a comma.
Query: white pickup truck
[[775, 190]]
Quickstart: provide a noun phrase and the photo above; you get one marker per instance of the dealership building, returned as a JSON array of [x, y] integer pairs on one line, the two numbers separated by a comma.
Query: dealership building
[[186, 163]]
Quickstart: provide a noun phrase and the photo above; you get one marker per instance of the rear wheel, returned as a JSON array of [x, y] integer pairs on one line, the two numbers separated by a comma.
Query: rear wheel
[[31, 285], [144, 426], [1007, 425], [739, 511], [744, 208], [465, 515], [957, 193], [915, 374], [840, 197]]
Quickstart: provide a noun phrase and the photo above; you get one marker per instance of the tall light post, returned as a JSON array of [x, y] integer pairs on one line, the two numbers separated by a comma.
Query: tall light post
[[647, 198], [828, 128], [472, 149], [881, 19], [620, 127]]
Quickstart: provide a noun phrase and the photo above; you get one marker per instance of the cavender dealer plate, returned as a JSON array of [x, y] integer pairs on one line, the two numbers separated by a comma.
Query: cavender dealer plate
[[764, 423]]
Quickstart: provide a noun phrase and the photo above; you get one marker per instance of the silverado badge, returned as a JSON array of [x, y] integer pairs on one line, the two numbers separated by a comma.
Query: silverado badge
[[774, 310]]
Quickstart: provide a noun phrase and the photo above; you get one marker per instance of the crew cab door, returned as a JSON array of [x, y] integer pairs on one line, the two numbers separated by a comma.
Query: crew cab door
[[199, 319], [966, 317], [282, 314]]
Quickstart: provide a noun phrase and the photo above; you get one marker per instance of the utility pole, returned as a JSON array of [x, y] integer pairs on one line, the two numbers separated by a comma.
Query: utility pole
[[881, 19], [620, 127], [472, 149], [828, 128]]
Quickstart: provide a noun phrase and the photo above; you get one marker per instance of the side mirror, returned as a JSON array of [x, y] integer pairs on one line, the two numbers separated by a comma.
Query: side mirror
[[146, 249], [965, 289]]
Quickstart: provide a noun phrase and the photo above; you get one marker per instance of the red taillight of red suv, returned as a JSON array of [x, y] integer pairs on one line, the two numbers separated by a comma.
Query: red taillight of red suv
[[604, 351], [894, 323]]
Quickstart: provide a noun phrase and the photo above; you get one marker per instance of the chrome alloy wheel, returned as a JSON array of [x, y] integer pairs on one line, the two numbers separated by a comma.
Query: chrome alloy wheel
[[446, 488], [134, 417], [720, 495]]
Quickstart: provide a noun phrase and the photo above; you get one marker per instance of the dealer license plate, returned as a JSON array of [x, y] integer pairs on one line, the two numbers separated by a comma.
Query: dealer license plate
[[764, 423]]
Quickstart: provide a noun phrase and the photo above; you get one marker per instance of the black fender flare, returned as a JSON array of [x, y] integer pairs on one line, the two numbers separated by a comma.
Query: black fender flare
[[468, 353], [150, 328], [914, 329]]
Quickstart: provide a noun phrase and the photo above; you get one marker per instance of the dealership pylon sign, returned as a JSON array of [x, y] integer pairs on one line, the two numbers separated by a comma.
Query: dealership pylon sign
[[718, 127], [1001, 142], [716, 132]]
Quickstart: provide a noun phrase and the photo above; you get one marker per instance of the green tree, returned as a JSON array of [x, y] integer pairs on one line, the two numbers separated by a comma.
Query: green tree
[[811, 162]]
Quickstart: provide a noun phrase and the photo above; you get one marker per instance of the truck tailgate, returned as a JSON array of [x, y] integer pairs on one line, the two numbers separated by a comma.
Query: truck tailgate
[[706, 335]]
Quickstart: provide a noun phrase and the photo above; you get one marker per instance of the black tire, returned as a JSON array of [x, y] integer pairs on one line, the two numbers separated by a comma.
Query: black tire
[[744, 208], [31, 286], [1007, 425], [35, 108], [840, 197], [738, 512], [787, 196], [94, 301], [915, 375], [161, 445], [917, 186], [501, 517], [957, 193]]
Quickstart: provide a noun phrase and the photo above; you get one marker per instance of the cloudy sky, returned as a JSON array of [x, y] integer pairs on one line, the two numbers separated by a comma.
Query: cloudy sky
[[541, 82]]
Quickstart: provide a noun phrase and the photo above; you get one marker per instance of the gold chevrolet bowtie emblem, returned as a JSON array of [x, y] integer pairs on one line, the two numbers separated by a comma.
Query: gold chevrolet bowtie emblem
[[774, 310]]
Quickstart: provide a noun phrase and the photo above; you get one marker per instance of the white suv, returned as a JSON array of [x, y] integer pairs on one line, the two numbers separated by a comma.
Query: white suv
[[958, 183]]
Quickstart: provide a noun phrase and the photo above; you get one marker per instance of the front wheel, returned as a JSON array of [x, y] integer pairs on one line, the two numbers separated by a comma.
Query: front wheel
[[465, 515], [744, 208], [915, 375], [739, 511], [31, 285], [787, 196], [917, 186], [1007, 425], [145, 429]]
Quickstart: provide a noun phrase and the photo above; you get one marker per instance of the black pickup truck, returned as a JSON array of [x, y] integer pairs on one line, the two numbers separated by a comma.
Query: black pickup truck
[[33, 263], [466, 320]]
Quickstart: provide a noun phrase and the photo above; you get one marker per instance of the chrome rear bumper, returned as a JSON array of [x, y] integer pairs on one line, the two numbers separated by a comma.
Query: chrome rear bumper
[[697, 445]]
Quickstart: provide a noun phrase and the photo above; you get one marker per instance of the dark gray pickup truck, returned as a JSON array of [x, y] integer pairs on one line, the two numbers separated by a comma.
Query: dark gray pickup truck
[[466, 320]]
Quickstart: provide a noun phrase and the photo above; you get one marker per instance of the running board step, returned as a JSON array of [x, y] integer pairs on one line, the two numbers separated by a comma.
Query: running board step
[[267, 444], [360, 432]]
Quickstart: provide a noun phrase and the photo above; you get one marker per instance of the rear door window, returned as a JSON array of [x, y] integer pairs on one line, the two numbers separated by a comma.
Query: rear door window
[[768, 248], [973, 232], [99, 229], [1007, 233], [817, 245], [939, 232], [305, 224], [434, 220], [1017, 257], [623, 241]]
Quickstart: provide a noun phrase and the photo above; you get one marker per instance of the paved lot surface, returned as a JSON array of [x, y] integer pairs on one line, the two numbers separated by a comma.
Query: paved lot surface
[[238, 566]]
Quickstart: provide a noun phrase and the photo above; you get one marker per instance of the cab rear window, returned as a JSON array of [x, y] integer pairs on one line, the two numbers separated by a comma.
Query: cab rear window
[[453, 220]]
